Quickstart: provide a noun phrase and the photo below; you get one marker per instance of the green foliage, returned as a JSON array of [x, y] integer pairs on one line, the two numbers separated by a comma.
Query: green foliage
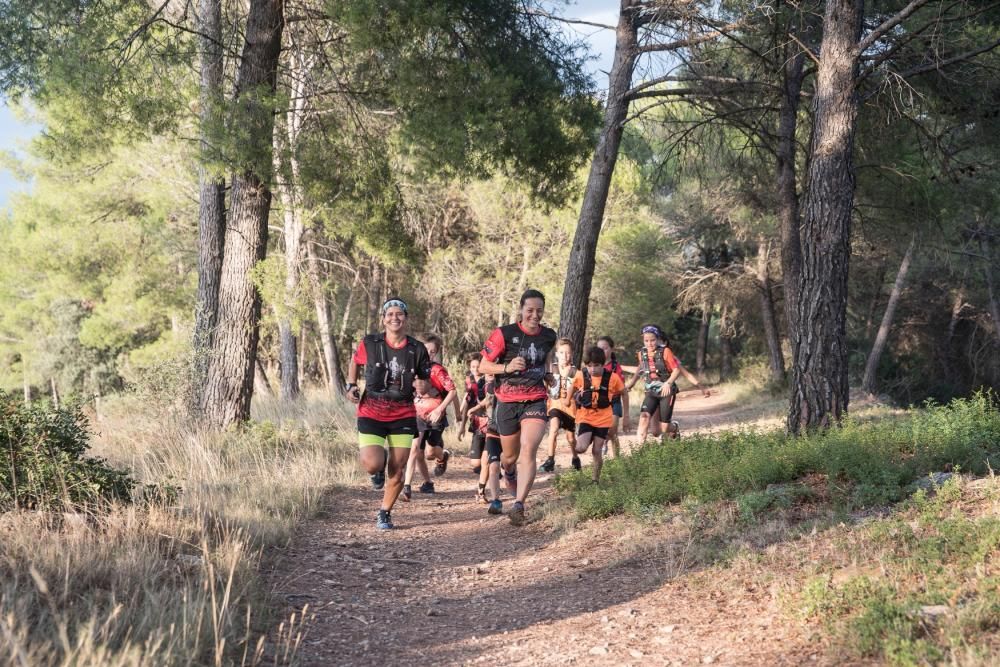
[[44, 466], [865, 464], [934, 597]]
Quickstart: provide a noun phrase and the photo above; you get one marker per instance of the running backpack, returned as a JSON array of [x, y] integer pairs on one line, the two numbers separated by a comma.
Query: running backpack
[[389, 372], [585, 398]]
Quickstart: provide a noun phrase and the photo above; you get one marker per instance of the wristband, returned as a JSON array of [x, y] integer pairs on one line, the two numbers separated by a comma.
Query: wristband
[[350, 386]]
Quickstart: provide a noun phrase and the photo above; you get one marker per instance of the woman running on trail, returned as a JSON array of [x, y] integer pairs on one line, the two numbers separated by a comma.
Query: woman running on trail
[[594, 390], [432, 419], [619, 404], [475, 422], [560, 404], [392, 362], [660, 370], [519, 354]]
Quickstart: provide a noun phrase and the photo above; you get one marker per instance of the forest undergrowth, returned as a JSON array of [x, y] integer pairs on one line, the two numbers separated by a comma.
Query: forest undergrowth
[[177, 582]]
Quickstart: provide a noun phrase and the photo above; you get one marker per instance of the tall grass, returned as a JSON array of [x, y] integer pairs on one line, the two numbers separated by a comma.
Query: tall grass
[[865, 463], [173, 585]]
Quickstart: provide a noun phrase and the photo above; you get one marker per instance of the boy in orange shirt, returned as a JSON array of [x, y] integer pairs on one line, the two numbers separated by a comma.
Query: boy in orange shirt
[[594, 389]]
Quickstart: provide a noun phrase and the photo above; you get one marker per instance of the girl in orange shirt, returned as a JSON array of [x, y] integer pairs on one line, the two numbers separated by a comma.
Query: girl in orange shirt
[[594, 390]]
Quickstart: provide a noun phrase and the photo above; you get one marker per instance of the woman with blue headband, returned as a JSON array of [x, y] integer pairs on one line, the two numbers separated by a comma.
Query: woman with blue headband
[[659, 369], [387, 417]]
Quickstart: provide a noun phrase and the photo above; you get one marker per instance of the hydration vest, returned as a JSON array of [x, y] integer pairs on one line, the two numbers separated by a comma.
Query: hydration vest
[[659, 366], [534, 349], [586, 398], [389, 372], [561, 388]]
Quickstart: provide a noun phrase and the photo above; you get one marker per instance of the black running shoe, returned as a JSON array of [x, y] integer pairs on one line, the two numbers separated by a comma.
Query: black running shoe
[[427, 487], [576, 463], [516, 514], [384, 521], [442, 465], [549, 465], [378, 480], [407, 492]]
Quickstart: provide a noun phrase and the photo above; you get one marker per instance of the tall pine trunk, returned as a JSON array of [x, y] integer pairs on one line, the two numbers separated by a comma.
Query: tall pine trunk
[[775, 356], [725, 345], [701, 351], [991, 292], [580, 271], [820, 389], [788, 198], [211, 193], [868, 383], [229, 385], [324, 319]]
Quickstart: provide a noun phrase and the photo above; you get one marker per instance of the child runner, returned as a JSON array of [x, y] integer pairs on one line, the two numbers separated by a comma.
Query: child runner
[[660, 370], [619, 405], [594, 389], [674, 432], [489, 477], [519, 355], [560, 404], [432, 419], [392, 361], [474, 394]]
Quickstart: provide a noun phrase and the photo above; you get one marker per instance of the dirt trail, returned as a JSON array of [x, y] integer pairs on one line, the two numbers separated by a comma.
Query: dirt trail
[[453, 585]]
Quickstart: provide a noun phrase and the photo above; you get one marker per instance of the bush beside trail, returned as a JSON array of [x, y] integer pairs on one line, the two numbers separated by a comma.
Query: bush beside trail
[[864, 463], [44, 465]]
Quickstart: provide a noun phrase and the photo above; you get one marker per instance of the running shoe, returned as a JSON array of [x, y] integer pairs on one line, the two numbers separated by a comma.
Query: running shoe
[[576, 463], [407, 492], [674, 431], [516, 514], [384, 521], [378, 480], [427, 487], [549, 465], [496, 507], [442, 465]]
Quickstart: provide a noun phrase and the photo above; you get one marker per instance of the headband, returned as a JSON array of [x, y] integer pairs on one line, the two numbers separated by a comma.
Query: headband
[[398, 303], [653, 329]]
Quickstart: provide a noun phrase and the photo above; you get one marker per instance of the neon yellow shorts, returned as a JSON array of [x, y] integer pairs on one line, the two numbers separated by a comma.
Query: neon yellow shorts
[[395, 434]]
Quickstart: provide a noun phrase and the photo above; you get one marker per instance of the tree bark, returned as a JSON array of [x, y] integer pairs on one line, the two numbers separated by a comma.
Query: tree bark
[[229, 385], [788, 198], [324, 318], [725, 345], [342, 335], [820, 389], [775, 355], [869, 382], [701, 352], [873, 306], [580, 271], [991, 292], [211, 194], [55, 393]]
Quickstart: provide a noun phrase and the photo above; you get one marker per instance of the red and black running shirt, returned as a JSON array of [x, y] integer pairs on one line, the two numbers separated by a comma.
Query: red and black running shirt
[[510, 341], [384, 409]]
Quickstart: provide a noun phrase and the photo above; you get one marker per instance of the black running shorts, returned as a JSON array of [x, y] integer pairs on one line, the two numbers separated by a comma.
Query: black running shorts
[[510, 415], [664, 405]]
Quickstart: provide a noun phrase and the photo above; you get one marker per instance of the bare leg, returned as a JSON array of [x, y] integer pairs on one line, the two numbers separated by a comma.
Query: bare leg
[[598, 453], [532, 432], [411, 462], [582, 443], [493, 481], [643, 426], [553, 436], [510, 446], [372, 458], [394, 476], [613, 437]]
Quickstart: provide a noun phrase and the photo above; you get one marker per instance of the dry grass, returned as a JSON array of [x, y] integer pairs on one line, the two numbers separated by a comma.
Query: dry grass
[[172, 585]]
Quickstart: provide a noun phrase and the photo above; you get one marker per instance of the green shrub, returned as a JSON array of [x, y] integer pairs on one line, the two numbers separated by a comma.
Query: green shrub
[[42, 461], [865, 464]]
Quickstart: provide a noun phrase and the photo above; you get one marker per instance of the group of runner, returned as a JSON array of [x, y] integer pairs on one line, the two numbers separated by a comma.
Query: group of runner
[[520, 384]]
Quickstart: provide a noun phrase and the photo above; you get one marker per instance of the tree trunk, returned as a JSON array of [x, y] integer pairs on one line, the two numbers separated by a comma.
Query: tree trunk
[[956, 311], [55, 393], [868, 383], [788, 199], [725, 346], [876, 298], [211, 194], [374, 291], [260, 380], [771, 335], [991, 292], [335, 381], [702, 350], [229, 385], [580, 271], [522, 281], [342, 335], [820, 389]]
